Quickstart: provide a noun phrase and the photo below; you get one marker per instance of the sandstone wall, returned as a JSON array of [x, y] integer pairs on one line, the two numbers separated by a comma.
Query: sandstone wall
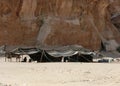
[[58, 22]]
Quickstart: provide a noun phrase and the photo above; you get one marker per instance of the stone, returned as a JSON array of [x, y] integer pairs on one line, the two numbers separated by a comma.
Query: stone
[[58, 22]]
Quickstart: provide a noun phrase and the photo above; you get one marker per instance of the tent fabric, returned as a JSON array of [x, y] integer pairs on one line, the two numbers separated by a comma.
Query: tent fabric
[[64, 53], [63, 48], [25, 50], [30, 52], [2, 50], [61, 51], [70, 53], [54, 51]]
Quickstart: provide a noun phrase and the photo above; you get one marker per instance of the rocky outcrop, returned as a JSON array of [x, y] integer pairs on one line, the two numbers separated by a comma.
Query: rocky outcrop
[[58, 22]]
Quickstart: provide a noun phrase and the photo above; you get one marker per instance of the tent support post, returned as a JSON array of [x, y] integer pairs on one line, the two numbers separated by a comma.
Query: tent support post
[[41, 56], [62, 59]]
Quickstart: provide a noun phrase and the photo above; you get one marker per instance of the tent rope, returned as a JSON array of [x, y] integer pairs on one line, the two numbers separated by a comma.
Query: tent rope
[[85, 58], [47, 57]]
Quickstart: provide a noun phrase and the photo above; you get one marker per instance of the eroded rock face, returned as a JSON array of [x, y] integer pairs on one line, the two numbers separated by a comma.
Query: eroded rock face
[[58, 22], [114, 9]]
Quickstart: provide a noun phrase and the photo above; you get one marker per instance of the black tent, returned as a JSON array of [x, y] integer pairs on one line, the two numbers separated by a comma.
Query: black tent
[[70, 54]]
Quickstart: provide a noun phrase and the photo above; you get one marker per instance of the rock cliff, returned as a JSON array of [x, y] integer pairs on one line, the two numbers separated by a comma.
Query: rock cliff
[[59, 22]]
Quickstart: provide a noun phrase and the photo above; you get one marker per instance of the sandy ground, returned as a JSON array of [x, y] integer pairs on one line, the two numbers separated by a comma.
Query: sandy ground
[[59, 74]]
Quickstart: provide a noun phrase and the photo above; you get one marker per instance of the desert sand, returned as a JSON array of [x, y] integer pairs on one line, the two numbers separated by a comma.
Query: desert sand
[[59, 74]]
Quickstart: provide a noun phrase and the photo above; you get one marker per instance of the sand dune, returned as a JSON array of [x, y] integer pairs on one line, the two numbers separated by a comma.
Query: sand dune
[[59, 74]]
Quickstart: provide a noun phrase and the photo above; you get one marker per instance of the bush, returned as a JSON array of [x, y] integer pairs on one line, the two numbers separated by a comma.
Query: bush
[[118, 49]]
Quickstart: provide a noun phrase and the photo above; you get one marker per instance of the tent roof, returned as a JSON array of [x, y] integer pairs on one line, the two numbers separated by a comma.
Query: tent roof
[[54, 51], [63, 48]]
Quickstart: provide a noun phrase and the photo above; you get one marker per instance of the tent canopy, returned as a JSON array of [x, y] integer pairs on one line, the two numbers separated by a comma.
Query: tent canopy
[[61, 51]]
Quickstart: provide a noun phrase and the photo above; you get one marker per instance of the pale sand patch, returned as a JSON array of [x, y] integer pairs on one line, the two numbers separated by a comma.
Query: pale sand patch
[[59, 74]]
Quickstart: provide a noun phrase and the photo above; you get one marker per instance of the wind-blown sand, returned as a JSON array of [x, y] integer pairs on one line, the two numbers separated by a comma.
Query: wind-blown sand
[[59, 74]]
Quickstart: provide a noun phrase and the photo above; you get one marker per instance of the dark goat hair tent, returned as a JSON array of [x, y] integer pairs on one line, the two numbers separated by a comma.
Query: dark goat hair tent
[[44, 57], [80, 58], [39, 55], [48, 58], [64, 54], [85, 58], [36, 56]]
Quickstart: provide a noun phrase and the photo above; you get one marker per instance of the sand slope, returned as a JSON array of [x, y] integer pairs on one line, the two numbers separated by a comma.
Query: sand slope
[[59, 74]]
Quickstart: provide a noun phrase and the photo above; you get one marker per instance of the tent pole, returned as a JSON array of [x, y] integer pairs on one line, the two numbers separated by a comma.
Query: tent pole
[[41, 56], [62, 59]]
